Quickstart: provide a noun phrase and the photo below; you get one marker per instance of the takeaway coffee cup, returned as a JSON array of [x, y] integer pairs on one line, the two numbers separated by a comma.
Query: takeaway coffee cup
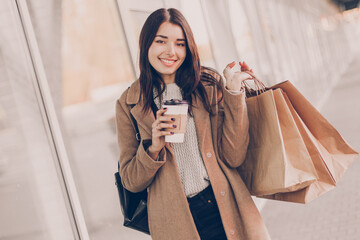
[[177, 109]]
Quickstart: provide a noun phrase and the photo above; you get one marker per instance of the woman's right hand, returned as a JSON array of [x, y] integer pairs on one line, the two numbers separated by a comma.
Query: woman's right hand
[[235, 78], [160, 128]]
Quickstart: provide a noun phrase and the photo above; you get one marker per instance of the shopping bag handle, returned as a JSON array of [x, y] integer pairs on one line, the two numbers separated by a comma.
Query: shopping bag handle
[[259, 86]]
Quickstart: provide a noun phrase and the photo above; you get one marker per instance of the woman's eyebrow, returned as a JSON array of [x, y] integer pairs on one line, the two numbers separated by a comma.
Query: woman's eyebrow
[[162, 36]]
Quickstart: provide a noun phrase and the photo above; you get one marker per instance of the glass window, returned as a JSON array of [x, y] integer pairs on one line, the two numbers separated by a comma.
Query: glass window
[[32, 202], [133, 15], [193, 13], [242, 33], [97, 68]]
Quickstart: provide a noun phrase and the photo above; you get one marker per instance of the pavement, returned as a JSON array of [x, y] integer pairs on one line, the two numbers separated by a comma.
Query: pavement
[[336, 214]]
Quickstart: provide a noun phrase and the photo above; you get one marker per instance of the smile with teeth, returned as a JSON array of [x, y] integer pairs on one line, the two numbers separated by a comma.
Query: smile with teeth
[[167, 62]]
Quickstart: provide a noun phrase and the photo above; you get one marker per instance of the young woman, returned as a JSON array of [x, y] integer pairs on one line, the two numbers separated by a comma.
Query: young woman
[[194, 189]]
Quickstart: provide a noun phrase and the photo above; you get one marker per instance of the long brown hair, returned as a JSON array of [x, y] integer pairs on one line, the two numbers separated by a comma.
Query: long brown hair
[[188, 77]]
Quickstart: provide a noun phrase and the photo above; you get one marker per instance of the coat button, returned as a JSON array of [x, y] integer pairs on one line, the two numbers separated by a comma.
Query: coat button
[[222, 193], [232, 232], [209, 154]]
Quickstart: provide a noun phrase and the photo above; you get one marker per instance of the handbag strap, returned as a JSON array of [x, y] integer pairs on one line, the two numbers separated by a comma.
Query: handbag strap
[[154, 110], [137, 135]]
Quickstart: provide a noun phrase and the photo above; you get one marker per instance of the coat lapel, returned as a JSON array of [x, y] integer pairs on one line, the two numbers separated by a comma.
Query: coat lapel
[[144, 120]]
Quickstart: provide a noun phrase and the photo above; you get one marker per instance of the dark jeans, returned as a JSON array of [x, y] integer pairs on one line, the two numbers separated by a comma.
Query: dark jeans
[[206, 215]]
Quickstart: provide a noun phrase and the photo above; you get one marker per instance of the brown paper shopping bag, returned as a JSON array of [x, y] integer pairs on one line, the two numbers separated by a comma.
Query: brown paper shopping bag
[[277, 159], [329, 152]]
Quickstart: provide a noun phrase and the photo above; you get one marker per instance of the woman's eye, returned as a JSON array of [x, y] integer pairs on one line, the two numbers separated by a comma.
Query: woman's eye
[[159, 41], [181, 44]]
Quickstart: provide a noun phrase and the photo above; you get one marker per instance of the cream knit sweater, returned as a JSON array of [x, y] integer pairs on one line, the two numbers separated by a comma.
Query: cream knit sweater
[[190, 164]]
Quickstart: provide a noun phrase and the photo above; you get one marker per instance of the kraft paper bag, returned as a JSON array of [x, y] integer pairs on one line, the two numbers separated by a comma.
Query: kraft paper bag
[[329, 152], [277, 159]]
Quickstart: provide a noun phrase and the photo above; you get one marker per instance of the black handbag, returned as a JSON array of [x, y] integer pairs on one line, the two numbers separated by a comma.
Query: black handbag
[[133, 205]]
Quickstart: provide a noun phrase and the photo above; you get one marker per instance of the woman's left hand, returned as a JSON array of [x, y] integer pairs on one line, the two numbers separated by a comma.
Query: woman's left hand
[[235, 78]]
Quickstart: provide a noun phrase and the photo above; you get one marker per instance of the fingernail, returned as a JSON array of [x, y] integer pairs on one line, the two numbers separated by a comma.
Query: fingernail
[[174, 126], [171, 132], [165, 108], [172, 119]]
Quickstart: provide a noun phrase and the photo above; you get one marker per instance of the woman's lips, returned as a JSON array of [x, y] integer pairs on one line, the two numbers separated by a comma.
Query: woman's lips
[[168, 62]]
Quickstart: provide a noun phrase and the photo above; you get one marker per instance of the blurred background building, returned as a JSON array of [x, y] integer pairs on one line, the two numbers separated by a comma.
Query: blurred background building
[[63, 64]]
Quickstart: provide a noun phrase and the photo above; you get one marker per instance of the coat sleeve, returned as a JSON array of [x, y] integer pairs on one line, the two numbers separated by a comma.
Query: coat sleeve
[[233, 128], [137, 169]]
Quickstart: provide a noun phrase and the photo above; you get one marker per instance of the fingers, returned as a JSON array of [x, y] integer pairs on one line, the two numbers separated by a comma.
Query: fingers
[[166, 119], [163, 133], [242, 76], [244, 66], [160, 117], [163, 129], [166, 125], [231, 65], [160, 112], [163, 124], [228, 72]]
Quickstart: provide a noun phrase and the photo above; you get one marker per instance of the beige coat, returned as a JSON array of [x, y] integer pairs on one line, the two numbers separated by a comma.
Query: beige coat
[[223, 141]]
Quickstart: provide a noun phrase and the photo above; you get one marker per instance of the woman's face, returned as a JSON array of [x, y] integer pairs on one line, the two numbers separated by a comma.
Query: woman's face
[[168, 51]]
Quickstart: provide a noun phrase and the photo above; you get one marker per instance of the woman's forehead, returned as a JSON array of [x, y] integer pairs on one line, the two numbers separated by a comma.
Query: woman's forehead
[[170, 30]]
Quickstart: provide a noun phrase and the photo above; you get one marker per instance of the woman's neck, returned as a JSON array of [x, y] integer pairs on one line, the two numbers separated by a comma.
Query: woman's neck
[[168, 79]]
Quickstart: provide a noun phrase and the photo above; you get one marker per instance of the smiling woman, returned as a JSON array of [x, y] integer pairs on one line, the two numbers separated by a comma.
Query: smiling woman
[[168, 51], [194, 190]]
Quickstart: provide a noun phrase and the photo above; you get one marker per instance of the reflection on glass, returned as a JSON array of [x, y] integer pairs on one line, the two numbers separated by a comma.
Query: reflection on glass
[[302, 41], [241, 33], [32, 204], [96, 70], [194, 15]]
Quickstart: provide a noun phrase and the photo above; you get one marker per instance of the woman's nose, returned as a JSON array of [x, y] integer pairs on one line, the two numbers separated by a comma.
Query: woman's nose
[[170, 50]]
